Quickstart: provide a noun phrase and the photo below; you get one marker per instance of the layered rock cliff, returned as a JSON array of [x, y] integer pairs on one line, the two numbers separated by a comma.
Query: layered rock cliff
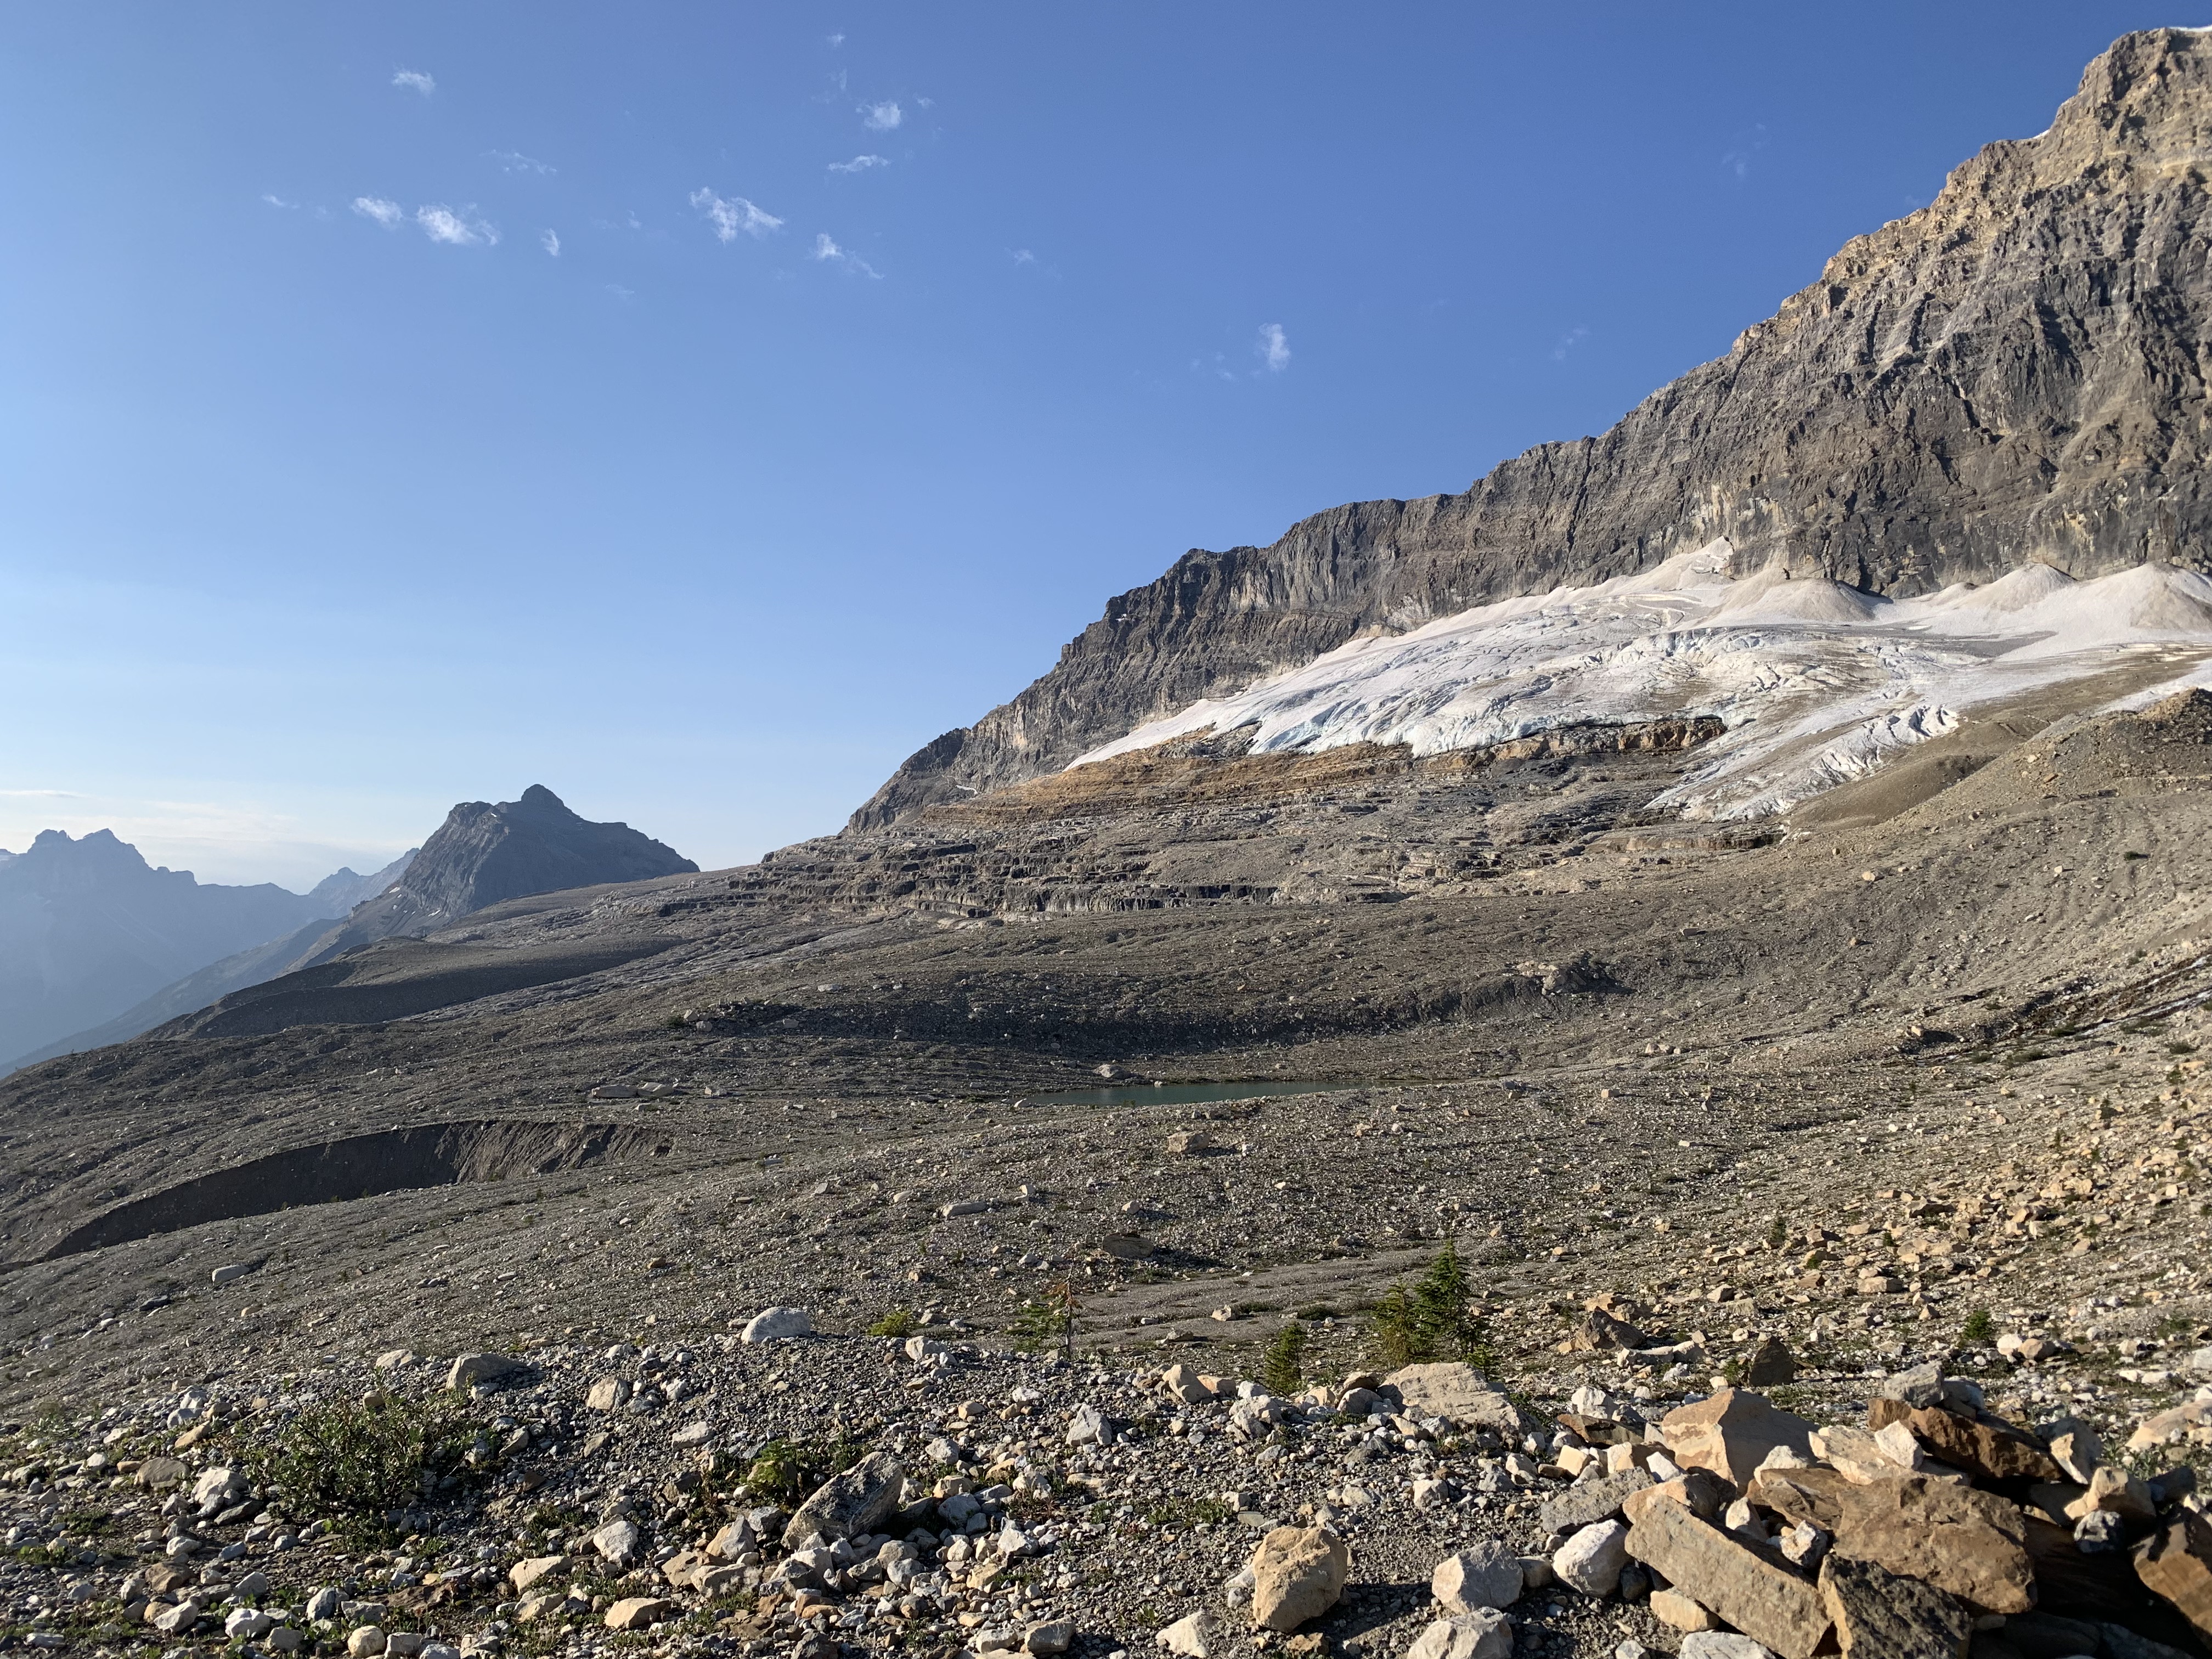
[[2016, 372]]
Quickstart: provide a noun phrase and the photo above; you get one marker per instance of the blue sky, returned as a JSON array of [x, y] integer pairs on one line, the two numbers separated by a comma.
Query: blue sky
[[696, 408]]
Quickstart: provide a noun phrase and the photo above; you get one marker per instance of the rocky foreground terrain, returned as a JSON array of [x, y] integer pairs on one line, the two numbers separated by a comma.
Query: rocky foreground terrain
[[1212, 1202], [433, 1329]]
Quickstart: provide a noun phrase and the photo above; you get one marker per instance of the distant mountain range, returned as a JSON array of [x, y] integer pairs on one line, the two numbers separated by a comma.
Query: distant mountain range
[[88, 928], [97, 948]]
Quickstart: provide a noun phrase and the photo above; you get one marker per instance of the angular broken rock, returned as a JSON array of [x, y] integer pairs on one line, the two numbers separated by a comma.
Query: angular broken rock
[[733, 1540], [1457, 1392], [1192, 1637], [1880, 1616], [159, 1474], [2181, 1423], [1598, 1331], [1186, 1141], [637, 1612], [1926, 1385], [219, 1487], [527, 1574], [1896, 1441], [2176, 1563], [1678, 1612], [856, 1501], [1088, 1427], [1486, 1574], [618, 1542], [1770, 1362], [1485, 1633], [714, 1582], [1701, 1492], [1853, 1453], [609, 1393], [1591, 1560], [1971, 1544], [1588, 1502], [1184, 1382], [1297, 1574], [2075, 1446], [2114, 1492], [1992, 1450], [1732, 1432], [775, 1324], [1722, 1644], [471, 1369], [1767, 1603]]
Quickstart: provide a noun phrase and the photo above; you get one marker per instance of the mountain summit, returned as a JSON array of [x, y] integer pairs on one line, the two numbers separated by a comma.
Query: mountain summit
[[2012, 374], [486, 852], [88, 928]]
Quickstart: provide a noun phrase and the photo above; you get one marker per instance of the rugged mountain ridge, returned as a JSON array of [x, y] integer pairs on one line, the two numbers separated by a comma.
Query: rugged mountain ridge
[[264, 960], [2012, 371], [88, 928], [482, 854], [486, 852]]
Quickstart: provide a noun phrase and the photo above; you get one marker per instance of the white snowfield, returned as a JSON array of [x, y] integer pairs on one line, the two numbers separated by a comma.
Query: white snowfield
[[1817, 683]]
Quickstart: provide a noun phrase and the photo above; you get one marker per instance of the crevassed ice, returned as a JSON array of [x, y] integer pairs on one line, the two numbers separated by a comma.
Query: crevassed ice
[[1816, 683]]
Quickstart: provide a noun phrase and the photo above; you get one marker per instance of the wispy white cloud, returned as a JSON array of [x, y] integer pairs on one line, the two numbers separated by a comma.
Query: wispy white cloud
[[1568, 341], [881, 118], [825, 248], [1747, 144], [513, 161], [550, 241], [837, 40], [734, 214], [859, 164], [620, 292], [415, 81], [925, 103], [387, 213], [442, 224], [1023, 256], [277, 200], [1273, 347]]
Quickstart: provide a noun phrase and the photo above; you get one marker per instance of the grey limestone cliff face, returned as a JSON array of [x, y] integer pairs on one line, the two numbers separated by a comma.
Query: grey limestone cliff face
[[2016, 372]]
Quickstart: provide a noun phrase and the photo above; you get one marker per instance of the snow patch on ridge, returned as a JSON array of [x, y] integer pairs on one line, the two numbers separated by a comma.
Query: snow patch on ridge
[[1817, 683]]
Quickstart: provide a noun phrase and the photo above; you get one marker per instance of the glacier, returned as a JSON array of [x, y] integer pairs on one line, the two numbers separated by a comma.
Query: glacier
[[1815, 683]]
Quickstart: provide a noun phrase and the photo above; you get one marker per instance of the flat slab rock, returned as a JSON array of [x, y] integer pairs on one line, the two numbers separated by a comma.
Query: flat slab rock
[[1773, 1606], [1880, 1616], [1588, 1502], [1457, 1392]]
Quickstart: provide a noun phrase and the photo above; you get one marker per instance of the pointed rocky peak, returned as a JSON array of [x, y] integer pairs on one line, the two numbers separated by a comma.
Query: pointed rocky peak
[[486, 852]]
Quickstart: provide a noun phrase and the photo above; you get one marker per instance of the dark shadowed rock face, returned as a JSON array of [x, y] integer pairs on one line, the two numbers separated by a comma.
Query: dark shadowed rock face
[[485, 853], [2013, 372]]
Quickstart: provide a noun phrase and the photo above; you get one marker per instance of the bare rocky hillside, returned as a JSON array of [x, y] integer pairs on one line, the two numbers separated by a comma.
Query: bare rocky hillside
[[2014, 372]]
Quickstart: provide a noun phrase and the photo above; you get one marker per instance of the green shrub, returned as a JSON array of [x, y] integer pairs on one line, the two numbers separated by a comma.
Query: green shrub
[[1047, 1323], [1429, 1320], [787, 1471], [355, 1461], [1979, 1330], [898, 1322], [1283, 1367]]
